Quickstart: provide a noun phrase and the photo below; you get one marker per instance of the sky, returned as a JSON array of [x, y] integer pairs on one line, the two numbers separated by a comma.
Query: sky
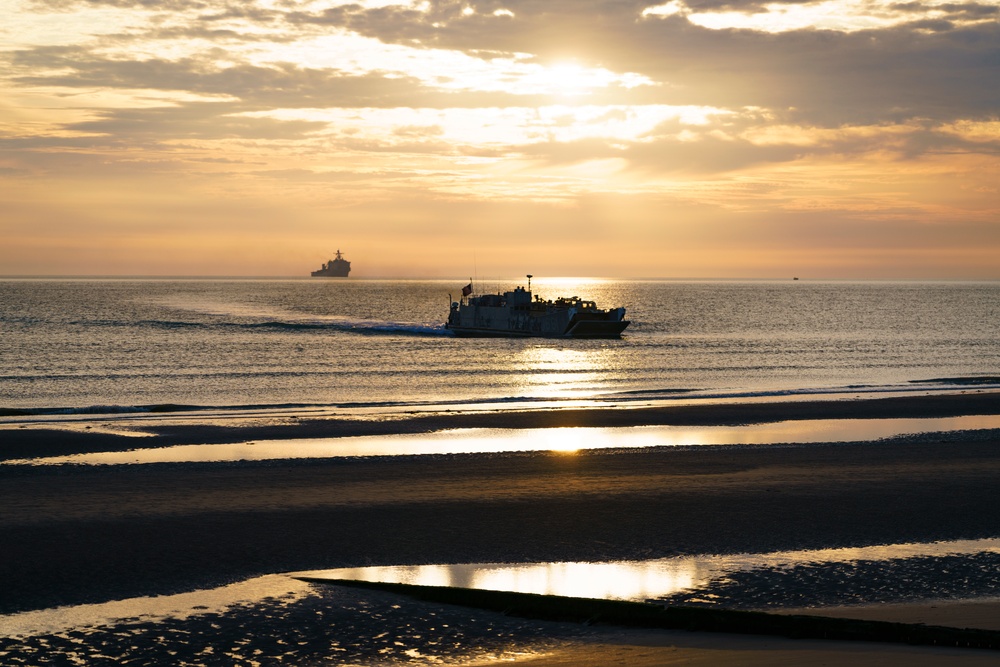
[[842, 139]]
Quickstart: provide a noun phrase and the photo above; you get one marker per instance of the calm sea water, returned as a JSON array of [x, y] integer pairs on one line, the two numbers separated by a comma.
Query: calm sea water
[[75, 344]]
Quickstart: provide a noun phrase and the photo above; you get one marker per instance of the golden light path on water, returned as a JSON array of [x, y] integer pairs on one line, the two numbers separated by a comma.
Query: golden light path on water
[[484, 441], [552, 372]]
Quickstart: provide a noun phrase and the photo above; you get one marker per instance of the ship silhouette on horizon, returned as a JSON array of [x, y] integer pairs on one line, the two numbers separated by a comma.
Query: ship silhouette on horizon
[[338, 267]]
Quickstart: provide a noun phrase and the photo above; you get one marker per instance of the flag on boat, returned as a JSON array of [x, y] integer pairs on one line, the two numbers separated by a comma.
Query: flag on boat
[[467, 290]]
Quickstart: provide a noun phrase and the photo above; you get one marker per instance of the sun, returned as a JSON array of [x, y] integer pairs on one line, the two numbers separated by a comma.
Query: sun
[[567, 79]]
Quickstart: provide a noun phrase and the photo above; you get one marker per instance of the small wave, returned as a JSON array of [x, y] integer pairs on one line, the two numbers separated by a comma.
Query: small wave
[[280, 408], [609, 398], [908, 387], [363, 327], [128, 324], [129, 409], [962, 381], [171, 324], [170, 407], [654, 392], [87, 410]]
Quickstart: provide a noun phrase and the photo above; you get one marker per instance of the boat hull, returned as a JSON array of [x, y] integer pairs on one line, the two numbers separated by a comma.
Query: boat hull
[[589, 330], [597, 329], [337, 273]]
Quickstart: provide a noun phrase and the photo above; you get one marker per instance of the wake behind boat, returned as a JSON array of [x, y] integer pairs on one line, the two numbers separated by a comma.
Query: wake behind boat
[[515, 314]]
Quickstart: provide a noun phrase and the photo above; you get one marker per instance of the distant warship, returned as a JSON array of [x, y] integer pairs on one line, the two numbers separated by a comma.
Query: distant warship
[[514, 313], [335, 268]]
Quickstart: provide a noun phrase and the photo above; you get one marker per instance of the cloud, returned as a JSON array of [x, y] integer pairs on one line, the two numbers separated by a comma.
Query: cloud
[[152, 5], [955, 9], [780, 119], [926, 69], [899, 71], [275, 85], [281, 84], [188, 121]]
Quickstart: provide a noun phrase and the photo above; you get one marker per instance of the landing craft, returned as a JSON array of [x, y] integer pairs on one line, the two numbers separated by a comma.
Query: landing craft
[[515, 314]]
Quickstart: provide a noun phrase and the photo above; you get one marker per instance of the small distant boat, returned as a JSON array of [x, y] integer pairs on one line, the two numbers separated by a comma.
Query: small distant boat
[[337, 267], [515, 314]]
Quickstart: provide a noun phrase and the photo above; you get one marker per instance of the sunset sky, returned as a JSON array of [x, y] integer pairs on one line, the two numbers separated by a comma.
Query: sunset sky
[[694, 138]]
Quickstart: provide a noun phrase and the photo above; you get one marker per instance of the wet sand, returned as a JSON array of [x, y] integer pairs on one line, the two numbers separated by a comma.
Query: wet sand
[[981, 614], [645, 648], [75, 534]]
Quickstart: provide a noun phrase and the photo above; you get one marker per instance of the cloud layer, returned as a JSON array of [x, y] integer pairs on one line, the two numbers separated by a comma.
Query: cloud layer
[[699, 138]]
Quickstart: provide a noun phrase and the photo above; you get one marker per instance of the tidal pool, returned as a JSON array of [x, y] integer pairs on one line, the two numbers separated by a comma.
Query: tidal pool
[[658, 579], [480, 441], [281, 619], [652, 579]]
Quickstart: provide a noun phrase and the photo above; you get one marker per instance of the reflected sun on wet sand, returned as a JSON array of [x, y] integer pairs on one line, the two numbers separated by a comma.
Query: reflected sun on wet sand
[[486, 441], [638, 580]]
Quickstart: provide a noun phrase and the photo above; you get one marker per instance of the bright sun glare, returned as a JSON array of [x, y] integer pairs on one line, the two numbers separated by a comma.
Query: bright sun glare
[[567, 79]]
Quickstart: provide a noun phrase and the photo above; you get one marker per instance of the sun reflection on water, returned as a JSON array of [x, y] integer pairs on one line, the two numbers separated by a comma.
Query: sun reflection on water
[[639, 580], [550, 372], [564, 440], [621, 580], [591, 580]]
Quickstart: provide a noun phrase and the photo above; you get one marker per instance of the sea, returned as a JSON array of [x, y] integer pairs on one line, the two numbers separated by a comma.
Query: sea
[[105, 345]]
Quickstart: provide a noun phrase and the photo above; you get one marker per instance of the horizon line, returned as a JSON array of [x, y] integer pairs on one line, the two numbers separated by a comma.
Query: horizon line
[[129, 276]]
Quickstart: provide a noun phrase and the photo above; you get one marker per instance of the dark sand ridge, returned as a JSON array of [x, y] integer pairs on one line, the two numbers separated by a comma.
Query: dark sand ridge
[[73, 534]]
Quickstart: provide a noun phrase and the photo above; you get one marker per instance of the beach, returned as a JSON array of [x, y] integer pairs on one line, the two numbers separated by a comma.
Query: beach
[[88, 534]]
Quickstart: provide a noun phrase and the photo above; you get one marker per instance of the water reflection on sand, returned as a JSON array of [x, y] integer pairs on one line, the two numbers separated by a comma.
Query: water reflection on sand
[[628, 580], [473, 441], [641, 580], [278, 618]]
